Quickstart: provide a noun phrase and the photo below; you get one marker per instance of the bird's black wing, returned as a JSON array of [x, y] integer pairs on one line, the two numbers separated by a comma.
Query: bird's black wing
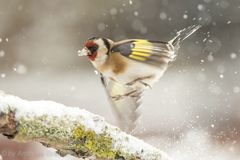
[[146, 51], [125, 101], [153, 52]]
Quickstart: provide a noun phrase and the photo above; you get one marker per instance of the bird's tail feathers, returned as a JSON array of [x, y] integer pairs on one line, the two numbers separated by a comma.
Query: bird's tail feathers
[[183, 34]]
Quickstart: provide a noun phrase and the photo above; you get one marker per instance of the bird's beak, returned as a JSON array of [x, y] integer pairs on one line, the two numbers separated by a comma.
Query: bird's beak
[[83, 52]]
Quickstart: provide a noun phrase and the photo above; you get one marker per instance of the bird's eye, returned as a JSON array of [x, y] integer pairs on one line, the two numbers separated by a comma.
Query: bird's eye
[[93, 48]]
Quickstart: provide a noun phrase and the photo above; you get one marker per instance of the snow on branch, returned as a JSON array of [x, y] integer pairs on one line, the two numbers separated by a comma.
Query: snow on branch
[[70, 130]]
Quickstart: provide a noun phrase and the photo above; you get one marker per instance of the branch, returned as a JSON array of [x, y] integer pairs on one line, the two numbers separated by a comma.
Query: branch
[[70, 130]]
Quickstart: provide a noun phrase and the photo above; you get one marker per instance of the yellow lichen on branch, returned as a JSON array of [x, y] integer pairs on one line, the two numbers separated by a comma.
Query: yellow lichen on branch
[[100, 145]]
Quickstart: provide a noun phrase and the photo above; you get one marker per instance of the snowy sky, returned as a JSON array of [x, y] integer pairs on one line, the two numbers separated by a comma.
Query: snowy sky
[[195, 104]]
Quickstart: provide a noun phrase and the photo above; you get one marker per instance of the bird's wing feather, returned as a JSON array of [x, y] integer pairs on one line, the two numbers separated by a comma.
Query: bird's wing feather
[[153, 52], [125, 101], [146, 51]]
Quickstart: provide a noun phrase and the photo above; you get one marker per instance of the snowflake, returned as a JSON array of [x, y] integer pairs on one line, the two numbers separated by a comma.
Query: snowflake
[[233, 55], [20, 69], [2, 53], [236, 89], [163, 16], [3, 75], [185, 16]]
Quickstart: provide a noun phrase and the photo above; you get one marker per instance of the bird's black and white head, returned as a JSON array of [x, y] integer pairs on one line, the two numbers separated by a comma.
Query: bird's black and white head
[[96, 48]]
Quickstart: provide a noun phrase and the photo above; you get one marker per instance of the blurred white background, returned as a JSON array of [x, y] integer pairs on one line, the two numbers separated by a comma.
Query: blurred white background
[[192, 113]]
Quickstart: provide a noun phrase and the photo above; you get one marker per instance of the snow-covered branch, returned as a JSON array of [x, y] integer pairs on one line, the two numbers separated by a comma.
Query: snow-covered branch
[[70, 130]]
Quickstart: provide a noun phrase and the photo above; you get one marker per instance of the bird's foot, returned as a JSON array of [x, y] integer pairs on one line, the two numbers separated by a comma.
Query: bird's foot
[[141, 81], [145, 84], [138, 80], [129, 94]]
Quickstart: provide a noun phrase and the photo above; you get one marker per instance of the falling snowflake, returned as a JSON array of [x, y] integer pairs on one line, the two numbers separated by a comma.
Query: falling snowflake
[[185, 16], [130, 2], [113, 11], [201, 7], [233, 55], [136, 13], [221, 76], [20, 69], [163, 16], [236, 89], [210, 58], [3, 75], [101, 26], [2, 53], [96, 72], [210, 41]]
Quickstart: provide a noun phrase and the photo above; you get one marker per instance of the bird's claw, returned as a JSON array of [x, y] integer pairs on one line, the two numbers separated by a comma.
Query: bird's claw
[[129, 94], [145, 84], [140, 80]]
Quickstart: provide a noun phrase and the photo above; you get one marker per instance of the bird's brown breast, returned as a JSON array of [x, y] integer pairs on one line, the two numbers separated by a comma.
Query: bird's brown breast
[[115, 62]]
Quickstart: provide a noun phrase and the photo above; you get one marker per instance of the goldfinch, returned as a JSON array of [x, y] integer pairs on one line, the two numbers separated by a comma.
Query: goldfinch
[[127, 68]]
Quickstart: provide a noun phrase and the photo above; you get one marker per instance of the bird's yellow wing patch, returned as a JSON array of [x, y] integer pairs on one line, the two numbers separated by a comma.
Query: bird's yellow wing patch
[[139, 58], [146, 51], [140, 50]]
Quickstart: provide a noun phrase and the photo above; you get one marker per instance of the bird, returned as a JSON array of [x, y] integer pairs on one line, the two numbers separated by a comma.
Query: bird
[[128, 68]]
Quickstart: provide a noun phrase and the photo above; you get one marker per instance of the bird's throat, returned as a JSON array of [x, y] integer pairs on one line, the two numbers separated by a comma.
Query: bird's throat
[[92, 56]]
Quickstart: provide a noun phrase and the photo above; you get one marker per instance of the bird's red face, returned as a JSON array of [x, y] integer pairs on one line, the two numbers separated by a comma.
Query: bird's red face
[[95, 48], [92, 49]]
